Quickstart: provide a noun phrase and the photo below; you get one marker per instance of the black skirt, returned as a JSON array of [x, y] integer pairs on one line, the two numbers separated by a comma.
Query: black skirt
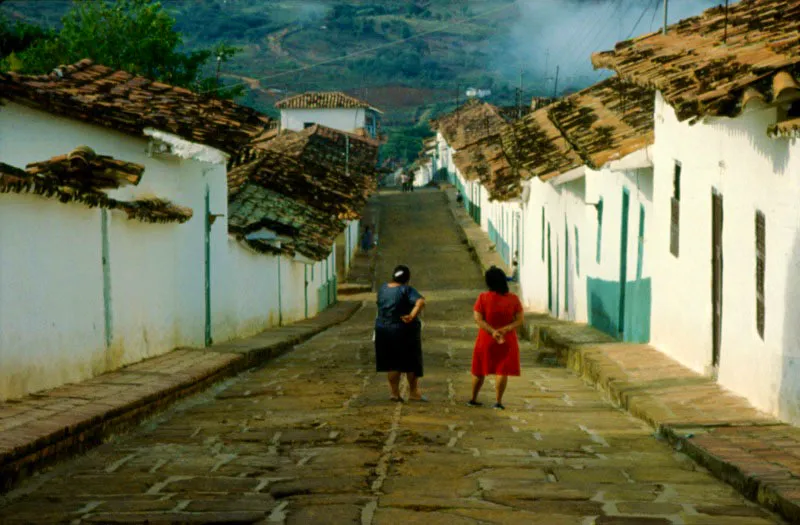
[[398, 348]]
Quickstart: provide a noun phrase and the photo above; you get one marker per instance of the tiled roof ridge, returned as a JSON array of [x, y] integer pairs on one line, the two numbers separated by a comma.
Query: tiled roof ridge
[[707, 64], [322, 100], [131, 103], [48, 179], [83, 167], [304, 228]]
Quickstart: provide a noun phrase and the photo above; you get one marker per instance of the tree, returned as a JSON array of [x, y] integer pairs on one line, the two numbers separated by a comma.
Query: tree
[[137, 36]]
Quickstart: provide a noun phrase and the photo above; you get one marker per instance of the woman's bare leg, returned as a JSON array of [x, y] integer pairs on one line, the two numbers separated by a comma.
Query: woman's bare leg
[[500, 387], [394, 383], [477, 383], [413, 386]]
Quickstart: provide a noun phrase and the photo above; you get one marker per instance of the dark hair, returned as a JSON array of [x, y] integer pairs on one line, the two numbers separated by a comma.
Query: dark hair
[[401, 274], [496, 280]]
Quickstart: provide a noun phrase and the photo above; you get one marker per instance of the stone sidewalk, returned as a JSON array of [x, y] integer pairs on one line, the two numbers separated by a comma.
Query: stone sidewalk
[[752, 451], [756, 453], [50, 425]]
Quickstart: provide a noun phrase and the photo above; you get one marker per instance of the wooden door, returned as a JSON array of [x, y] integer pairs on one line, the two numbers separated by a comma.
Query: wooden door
[[549, 270], [623, 261], [716, 278]]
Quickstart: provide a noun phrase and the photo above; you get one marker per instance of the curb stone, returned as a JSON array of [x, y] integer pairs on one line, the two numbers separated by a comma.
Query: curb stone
[[773, 485], [47, 426]]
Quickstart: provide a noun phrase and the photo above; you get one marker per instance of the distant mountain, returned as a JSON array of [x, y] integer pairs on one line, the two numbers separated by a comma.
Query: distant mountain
[[411, 58]]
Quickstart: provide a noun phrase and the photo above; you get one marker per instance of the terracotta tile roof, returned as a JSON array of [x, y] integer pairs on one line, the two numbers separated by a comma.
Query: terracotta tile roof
[[699, 75], [300, 185], [786, 129], [469, 124], [322, 100], [475, 131], [337, 179], [303, 229], [128, 103], [602, 123], [81, 176], [536, 147], [83, 168], [334, 149], [331, 192]]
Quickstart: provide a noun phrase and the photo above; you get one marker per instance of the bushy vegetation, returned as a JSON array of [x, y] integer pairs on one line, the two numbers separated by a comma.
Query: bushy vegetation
[[406, 142], [138, 36]]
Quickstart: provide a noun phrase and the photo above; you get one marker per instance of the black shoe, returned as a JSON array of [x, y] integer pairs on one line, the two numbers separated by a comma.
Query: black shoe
[[472, 403], [498, 406]]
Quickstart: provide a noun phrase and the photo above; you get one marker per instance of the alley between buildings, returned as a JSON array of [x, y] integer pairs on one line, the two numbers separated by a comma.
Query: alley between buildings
[[312, 437]]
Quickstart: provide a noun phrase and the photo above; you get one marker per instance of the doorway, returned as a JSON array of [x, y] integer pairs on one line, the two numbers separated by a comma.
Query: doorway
[[623, 261], [716, 275], [549, 271]]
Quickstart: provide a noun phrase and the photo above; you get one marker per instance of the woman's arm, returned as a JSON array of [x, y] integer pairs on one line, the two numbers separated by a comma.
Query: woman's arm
[[418, 306], [519, 320], [482, 324]]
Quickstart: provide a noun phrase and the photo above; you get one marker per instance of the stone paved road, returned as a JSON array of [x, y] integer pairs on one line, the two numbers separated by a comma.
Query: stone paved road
[[312, 438]]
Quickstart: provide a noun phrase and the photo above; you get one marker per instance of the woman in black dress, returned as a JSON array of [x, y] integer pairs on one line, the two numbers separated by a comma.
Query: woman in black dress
[[398, 343]]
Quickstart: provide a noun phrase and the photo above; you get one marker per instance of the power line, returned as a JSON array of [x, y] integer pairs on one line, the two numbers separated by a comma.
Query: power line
[[647, 8], [372, 49], [594, 37]]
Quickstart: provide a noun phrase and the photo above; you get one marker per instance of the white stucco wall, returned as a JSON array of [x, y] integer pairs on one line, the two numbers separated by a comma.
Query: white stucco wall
[[51, 294], [348, 120], [52, 315], [533, 273], [609, 186], [565, 215], [753, 173]]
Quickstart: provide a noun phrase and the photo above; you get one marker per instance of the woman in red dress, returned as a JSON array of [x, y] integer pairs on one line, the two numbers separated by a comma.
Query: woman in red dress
[[497, 313]]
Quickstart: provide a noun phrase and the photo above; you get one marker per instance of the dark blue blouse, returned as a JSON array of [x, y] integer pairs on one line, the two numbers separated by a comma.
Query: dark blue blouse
[[394, 303]]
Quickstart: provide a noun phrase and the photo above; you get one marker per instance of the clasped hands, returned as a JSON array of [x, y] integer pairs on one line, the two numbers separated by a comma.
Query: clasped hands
[[408, 318], [499, 335]]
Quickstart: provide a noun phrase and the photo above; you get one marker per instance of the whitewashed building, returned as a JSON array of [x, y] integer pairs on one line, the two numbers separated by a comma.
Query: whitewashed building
[[725, 237], [86, 290], [332, 109], [562, 193]]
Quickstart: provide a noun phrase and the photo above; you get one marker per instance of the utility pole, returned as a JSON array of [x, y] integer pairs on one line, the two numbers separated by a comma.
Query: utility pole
[[219, 65], [555, 88], [666, 12], [347, 155], [546, 66], [519, 94], [458, 104], [725, 36]]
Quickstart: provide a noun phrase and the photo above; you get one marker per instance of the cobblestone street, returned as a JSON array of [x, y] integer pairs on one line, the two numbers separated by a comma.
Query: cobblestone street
[[313, 438]]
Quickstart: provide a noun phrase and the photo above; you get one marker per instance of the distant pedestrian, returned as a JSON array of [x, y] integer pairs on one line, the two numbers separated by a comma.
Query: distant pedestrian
[[498, 314], [459, 197], [366, 240], [514, 277], [404, 182], [398, 334]]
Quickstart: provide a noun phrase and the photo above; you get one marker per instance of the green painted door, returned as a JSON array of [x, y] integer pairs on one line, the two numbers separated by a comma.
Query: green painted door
[[207, 219], [623, 260], [566, 266], [107, 311], [640, 245], [549, 270]]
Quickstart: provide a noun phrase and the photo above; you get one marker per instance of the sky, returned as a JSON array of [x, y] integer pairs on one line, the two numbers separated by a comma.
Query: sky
[[564, 33]]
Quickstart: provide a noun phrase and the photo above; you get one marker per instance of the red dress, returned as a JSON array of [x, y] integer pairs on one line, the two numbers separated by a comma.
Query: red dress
[[489, 356]]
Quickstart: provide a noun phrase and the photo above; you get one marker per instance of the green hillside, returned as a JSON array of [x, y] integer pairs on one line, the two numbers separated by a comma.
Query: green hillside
[[399, 55]]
